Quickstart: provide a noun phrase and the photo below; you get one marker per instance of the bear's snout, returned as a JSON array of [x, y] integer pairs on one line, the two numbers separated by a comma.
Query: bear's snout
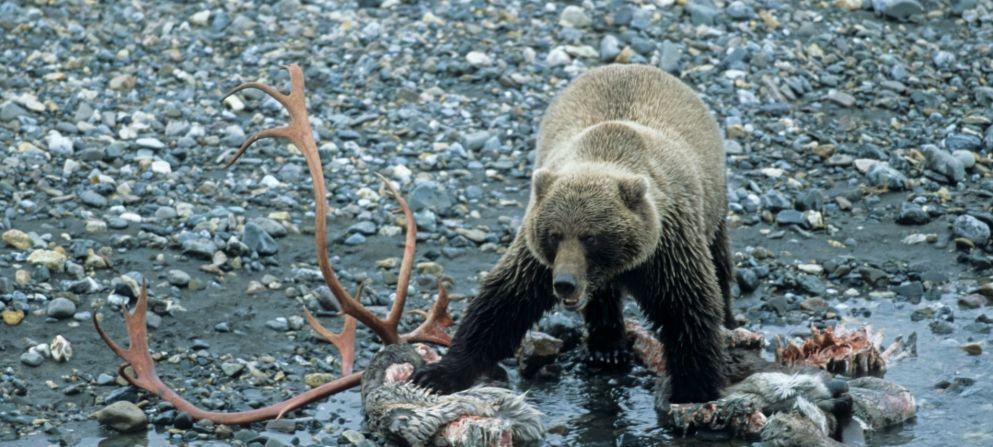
[[564, 285], [569, 274]]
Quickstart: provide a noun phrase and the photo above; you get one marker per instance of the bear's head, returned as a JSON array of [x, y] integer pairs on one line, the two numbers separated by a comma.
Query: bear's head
[[589, 226]]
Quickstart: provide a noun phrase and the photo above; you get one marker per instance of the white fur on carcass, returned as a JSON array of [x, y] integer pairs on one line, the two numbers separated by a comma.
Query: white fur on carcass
[[479, 416], [769, 388]]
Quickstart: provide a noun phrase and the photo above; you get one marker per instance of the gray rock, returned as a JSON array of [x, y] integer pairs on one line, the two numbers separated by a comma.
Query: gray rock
[[944, 163], [960, 6], [475, 140], [967, 158], [701, 14], [61, 308], [258, 240], [122, 416], [430, 195], [610, 47], [972, 229], [355, 239], [200, 248], [278, 324], [536, 351], [93, 199], [232, 369], [178, 278], [912, 214], [365, 227], [271, 227], [738, 10], [812, 199], [897, 9], [671, 57], [988, 138], [32, 358], [881, 174], [574, 17], [960, 141], [58, 144], [105, 379], [790, 217], [351, 437], [841, 98], [10, 111]]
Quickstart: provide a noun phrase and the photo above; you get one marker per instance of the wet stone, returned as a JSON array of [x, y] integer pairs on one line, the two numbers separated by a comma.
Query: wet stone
[[973, 229], [912, 214], [178, 278], [282, 425], [355, 239], [964, 142], [972, 301], [790, 217], [200, 248], [105, 379], [430, 195], [122, 416], [881, 174], [32, 358], [746, 279], [365, 227], [258, 240], [536, 351], [93, 199], [897, 9], [574, 17], [944, 163], [941, 327], [61, 308]]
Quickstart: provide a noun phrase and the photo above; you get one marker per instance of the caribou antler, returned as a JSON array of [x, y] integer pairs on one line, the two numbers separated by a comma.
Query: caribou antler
[[298, 132], [145, 377]]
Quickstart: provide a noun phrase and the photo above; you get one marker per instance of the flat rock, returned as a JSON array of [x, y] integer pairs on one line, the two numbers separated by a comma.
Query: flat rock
[[54, 260], [61, 308], [122, 416]]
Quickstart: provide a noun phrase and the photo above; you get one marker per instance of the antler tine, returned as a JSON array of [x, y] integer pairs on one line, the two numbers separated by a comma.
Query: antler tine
[[407, 264], [278, 132], [345, 340], [301, 135], [432, 330]]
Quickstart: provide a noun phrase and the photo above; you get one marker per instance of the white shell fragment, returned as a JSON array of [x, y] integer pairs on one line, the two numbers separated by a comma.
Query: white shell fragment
[[61, 349]]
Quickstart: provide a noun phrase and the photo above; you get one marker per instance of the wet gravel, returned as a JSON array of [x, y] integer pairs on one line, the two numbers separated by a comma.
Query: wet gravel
[[860, 147]]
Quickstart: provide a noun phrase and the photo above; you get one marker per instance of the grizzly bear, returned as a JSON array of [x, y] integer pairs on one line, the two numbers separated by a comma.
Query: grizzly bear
[[628, 198]]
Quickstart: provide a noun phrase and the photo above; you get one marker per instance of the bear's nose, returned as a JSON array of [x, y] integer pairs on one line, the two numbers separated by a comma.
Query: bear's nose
[[564, 284]]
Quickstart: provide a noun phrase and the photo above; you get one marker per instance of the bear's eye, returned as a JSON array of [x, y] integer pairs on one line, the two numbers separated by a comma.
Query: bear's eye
[[555, 236], [587, 239]]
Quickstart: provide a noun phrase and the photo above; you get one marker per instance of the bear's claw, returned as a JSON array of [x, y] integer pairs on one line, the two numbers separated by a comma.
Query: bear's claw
[[609, 358]]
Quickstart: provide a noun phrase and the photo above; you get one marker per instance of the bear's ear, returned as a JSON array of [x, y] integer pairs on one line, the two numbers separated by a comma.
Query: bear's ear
[[541, 182], [633, 191]]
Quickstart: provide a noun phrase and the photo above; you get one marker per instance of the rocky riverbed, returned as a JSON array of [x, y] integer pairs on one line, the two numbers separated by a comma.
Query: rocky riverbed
[[860, 149]]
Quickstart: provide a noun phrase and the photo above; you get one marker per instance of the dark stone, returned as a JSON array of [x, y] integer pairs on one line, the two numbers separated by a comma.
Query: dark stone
[[912, 214], [747, 280], [258, 240]]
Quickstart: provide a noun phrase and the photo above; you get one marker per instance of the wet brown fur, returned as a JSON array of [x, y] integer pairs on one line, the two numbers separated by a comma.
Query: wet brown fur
[[629, 190]]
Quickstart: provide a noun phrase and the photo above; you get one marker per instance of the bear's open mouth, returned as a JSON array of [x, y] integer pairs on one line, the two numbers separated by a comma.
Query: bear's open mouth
[[571, 303]]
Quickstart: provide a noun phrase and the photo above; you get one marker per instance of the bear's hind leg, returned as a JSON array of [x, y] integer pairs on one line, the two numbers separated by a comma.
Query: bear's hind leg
[[720, 250], [605, 342]]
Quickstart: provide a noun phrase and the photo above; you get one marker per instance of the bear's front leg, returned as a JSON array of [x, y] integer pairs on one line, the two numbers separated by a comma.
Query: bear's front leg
[[512, 297], [677, 290], [605, 341]]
